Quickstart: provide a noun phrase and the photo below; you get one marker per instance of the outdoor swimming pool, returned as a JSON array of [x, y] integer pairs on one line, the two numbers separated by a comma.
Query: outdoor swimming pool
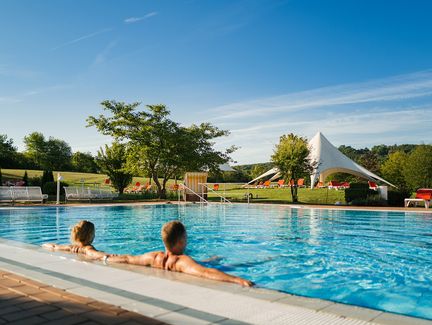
[[374, 259]]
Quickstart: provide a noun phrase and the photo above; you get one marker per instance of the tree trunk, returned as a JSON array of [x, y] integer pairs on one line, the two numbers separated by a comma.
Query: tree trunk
[[293, 190], [160, 190]]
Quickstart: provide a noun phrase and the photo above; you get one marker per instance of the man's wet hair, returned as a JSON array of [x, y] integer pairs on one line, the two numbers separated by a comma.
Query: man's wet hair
[[172, 232]]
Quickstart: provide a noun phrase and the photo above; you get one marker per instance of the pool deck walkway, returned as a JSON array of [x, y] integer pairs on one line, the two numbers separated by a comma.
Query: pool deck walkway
[[24, 301], [166, 297]]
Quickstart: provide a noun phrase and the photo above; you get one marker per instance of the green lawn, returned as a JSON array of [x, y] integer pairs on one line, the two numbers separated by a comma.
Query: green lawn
[[68, 177], [231, 192], [282, 195]]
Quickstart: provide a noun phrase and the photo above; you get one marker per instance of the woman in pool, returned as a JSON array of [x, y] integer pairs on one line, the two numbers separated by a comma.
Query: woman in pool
[[82, 236]]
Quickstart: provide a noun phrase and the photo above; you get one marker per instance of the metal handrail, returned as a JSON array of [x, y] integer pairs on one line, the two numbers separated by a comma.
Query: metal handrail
[[188, 188], [222, 197]]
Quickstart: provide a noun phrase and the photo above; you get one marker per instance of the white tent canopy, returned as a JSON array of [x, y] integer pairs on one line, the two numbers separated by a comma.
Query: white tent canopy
[[329, 161]]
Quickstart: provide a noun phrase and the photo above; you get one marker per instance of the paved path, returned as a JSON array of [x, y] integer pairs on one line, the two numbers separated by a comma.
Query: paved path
[[24, 301]]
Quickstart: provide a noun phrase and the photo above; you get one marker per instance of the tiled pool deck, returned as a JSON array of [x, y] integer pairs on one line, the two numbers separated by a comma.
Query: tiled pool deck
[[175, 298], [30, 302]]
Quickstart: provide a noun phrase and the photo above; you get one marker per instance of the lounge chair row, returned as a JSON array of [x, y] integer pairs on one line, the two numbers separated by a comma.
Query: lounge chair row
[[80, 193], [12, 194]]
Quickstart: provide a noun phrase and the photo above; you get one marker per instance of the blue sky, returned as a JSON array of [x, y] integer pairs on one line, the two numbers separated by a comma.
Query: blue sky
[[359, 71]]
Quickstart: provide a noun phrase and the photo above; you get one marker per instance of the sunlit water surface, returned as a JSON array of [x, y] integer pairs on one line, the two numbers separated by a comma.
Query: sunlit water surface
[[376, 259]]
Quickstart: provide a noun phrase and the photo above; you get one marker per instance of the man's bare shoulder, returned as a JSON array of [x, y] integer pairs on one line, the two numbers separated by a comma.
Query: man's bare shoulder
[[185, 261]]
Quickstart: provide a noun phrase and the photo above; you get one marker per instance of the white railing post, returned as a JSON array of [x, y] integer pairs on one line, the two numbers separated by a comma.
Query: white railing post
[[59, 179]]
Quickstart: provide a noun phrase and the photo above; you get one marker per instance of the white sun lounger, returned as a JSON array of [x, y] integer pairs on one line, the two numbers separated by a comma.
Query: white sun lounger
[[81, 193], [12, 194]]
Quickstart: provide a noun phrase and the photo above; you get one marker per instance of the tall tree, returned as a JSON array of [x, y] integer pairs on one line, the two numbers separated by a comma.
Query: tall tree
[[159, 146], [84, 162], [8, 153], [418, 169], [393, 168], [51, 154], [291, 156], [112, 161]]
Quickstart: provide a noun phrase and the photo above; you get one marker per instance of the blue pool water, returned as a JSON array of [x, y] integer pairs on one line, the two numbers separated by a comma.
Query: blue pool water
[[381, 260]]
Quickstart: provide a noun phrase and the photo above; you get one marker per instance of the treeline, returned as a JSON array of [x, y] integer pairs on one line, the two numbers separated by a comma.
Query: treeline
[[408, 166], [46, 154]]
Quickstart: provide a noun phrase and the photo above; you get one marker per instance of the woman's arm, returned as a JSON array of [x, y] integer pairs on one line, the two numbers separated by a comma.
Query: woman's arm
[[189, 266], [92, 253], [55, 247]]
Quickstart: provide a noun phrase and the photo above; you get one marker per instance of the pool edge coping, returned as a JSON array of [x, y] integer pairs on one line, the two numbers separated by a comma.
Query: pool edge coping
[[175, 202]]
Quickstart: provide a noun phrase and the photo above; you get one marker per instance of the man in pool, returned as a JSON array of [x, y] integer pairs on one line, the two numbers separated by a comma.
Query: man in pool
[[173, 259]]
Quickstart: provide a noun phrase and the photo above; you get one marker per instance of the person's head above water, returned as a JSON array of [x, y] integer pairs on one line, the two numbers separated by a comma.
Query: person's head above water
[[174, 237], [83, 233]]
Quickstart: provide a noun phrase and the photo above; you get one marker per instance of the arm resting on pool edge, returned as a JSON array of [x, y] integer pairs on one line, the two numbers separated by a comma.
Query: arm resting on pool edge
[[189, 266], [89, 251], [55, 247], [144, 260]]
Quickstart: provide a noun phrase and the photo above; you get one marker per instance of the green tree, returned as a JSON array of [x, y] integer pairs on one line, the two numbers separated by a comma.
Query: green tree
[[158, 146], [112, 161], [8, 153], [418, 168], [370, 161], [257, 170], [291, 156], [25, 179], [51, 154], [47, 177], [84, 162], [393, 169]]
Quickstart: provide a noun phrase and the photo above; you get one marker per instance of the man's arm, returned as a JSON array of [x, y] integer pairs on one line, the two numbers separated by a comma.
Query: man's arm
[[144, 260], [189, 266]]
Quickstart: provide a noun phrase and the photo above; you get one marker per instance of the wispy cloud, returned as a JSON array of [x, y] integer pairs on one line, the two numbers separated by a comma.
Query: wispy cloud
[[82, 38], [389, 110], [359, 129], [102, 55], [132, 20], [389, 89], [16, 72]]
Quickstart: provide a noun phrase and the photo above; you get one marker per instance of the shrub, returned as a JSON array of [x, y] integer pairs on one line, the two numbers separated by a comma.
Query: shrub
[[35, 181], [50, 188], [25, 179], [358, 191], [372, 200], [47, 176], [396, 197]]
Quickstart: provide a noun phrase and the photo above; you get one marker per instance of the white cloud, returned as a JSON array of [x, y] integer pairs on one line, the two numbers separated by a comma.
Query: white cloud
[[359, 129], [132, 20], [101, 56], [84, 37], [389, 89]]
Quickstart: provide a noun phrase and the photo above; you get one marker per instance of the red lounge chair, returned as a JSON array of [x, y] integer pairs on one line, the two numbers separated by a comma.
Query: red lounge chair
[[373, 186], [422, 195], [281, 183], [266, 184], [215, 187], [300, 182], [337, 185], [345, 185], [320, 185]]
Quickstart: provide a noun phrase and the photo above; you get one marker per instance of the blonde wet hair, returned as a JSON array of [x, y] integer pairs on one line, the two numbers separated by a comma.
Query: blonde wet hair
[[83, 233]]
